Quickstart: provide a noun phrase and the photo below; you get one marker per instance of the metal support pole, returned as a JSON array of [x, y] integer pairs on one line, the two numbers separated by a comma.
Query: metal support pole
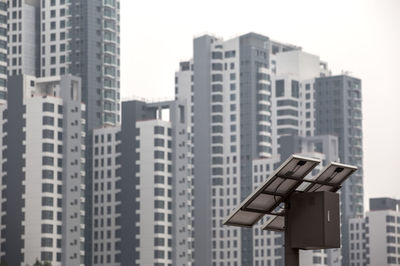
[[291, 254]]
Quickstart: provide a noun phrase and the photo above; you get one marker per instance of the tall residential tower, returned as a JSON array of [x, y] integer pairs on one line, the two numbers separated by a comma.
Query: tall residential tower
[[42, 210], [246, 94], [142, 196], [338, 112], [227, 86]]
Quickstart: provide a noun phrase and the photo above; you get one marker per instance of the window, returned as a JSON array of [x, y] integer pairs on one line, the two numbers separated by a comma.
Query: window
[[47, 174], [217, 98], [47, 228], [390, 219], [216, 77], [159, 130], [216, 88], [280, 88], [47, 215], [390, 239], [217, 119], [159, 192], [159, 229], [390, 229], [47, 134], [295, 89], [158, 216], [46, 256], [287, 112], [159, 155], [48, 120], [217, 129], [288, 103], [216, 55], [216, 66], [48, 107], [47, 188], [229, 54], [159, 142], [159, 204], [48, 147], [47, 160], [47, 201], [159, 179]]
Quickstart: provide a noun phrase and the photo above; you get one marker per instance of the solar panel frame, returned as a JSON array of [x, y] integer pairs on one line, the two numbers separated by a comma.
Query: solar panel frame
[[296, 179], [326, 182], [269, 225], [317, 182]]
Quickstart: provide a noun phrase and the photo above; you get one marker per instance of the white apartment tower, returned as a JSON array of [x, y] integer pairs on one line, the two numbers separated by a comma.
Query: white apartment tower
[[142, 179], [375, 238], [23, 36], [227, 88], [105, 164], [50, 38], [244, 95], [42, 210], [3, 50], [293, 92], [59, 37]]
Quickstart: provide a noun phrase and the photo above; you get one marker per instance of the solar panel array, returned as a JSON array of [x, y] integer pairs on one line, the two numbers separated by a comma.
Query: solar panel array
[[289, 178]]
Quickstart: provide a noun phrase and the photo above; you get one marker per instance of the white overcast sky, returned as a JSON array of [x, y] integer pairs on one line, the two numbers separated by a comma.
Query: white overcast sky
[[360, 36]]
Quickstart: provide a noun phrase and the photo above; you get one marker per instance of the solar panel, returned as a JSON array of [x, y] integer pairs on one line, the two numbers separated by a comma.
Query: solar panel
[[329, 179], [276, 223], [270, 194]]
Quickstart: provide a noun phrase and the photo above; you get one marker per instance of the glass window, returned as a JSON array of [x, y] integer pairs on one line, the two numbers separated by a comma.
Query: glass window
[[280, 88]]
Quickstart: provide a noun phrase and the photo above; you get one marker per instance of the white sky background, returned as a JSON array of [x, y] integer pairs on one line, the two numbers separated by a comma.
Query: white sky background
[[360, 36]]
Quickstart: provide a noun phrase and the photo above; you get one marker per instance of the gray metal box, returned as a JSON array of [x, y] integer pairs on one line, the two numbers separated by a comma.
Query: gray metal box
[[314, 220]]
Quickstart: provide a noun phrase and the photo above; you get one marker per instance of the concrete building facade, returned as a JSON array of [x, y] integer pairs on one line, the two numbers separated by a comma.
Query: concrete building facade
[[227, 86], [245, 94], [338, 113], [3, 50], [143, 187], [375, 238], [43, 172]]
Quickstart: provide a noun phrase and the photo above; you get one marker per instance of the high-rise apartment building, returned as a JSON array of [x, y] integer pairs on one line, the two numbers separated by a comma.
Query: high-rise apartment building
[[24, 37], [293, 93], [49, 38], [142, 179], [93, 30], [375, 238], [3, 50], [42, 210], [245, 94], [227, 86], [338, 113], [59, 37], [106, 156], [324, 148]]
